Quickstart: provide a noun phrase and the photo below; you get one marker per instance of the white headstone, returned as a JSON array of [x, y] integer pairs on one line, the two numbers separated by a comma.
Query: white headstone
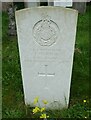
[[64, 3], [46, 38]]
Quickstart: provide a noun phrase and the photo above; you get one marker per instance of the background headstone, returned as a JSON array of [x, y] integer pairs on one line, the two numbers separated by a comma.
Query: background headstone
[[46, 39], [50, 3], [80, 6], [64, 3], [31, 3], [12, 24]]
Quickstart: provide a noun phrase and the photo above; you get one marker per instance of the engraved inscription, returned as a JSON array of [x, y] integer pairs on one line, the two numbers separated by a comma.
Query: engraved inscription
[[46, 73], [48, 55], [45, 31]]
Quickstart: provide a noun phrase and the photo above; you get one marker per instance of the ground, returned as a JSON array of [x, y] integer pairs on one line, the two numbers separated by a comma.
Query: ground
[[12, 91]]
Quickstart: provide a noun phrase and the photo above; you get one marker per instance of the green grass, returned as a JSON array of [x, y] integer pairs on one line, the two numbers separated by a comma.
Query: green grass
[[80, 78], [12, 90]]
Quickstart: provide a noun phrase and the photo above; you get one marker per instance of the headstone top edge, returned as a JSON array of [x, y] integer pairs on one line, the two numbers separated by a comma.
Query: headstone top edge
[[44, 7]]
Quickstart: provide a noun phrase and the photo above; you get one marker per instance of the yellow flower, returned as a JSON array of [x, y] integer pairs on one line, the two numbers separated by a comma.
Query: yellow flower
[[42, 109], [44, 116], [36, 100], [85, 117], [84, 101], [45, 101], [35, 110]]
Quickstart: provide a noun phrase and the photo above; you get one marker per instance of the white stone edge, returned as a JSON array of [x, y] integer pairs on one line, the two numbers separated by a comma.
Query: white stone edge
[[53, 7]]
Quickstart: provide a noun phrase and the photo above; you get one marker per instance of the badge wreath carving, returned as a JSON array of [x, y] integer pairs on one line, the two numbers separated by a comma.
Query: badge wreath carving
[[45, 31]]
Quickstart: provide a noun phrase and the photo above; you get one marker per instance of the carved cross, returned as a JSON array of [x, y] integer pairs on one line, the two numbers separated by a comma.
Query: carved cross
[[46, 74]]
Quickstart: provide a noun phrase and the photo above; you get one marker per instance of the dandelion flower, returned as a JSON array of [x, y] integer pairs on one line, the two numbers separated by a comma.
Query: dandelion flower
[[85, 117], [44, 116], [42, 109], [36, 100], [35, 110], [84, 101], [45, 101]]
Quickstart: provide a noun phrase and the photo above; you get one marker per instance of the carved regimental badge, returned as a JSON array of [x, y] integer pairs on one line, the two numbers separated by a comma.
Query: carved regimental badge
[[45, 31]]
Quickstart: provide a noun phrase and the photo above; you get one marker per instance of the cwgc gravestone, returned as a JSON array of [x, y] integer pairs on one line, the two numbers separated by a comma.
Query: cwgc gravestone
[[46, 39]]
